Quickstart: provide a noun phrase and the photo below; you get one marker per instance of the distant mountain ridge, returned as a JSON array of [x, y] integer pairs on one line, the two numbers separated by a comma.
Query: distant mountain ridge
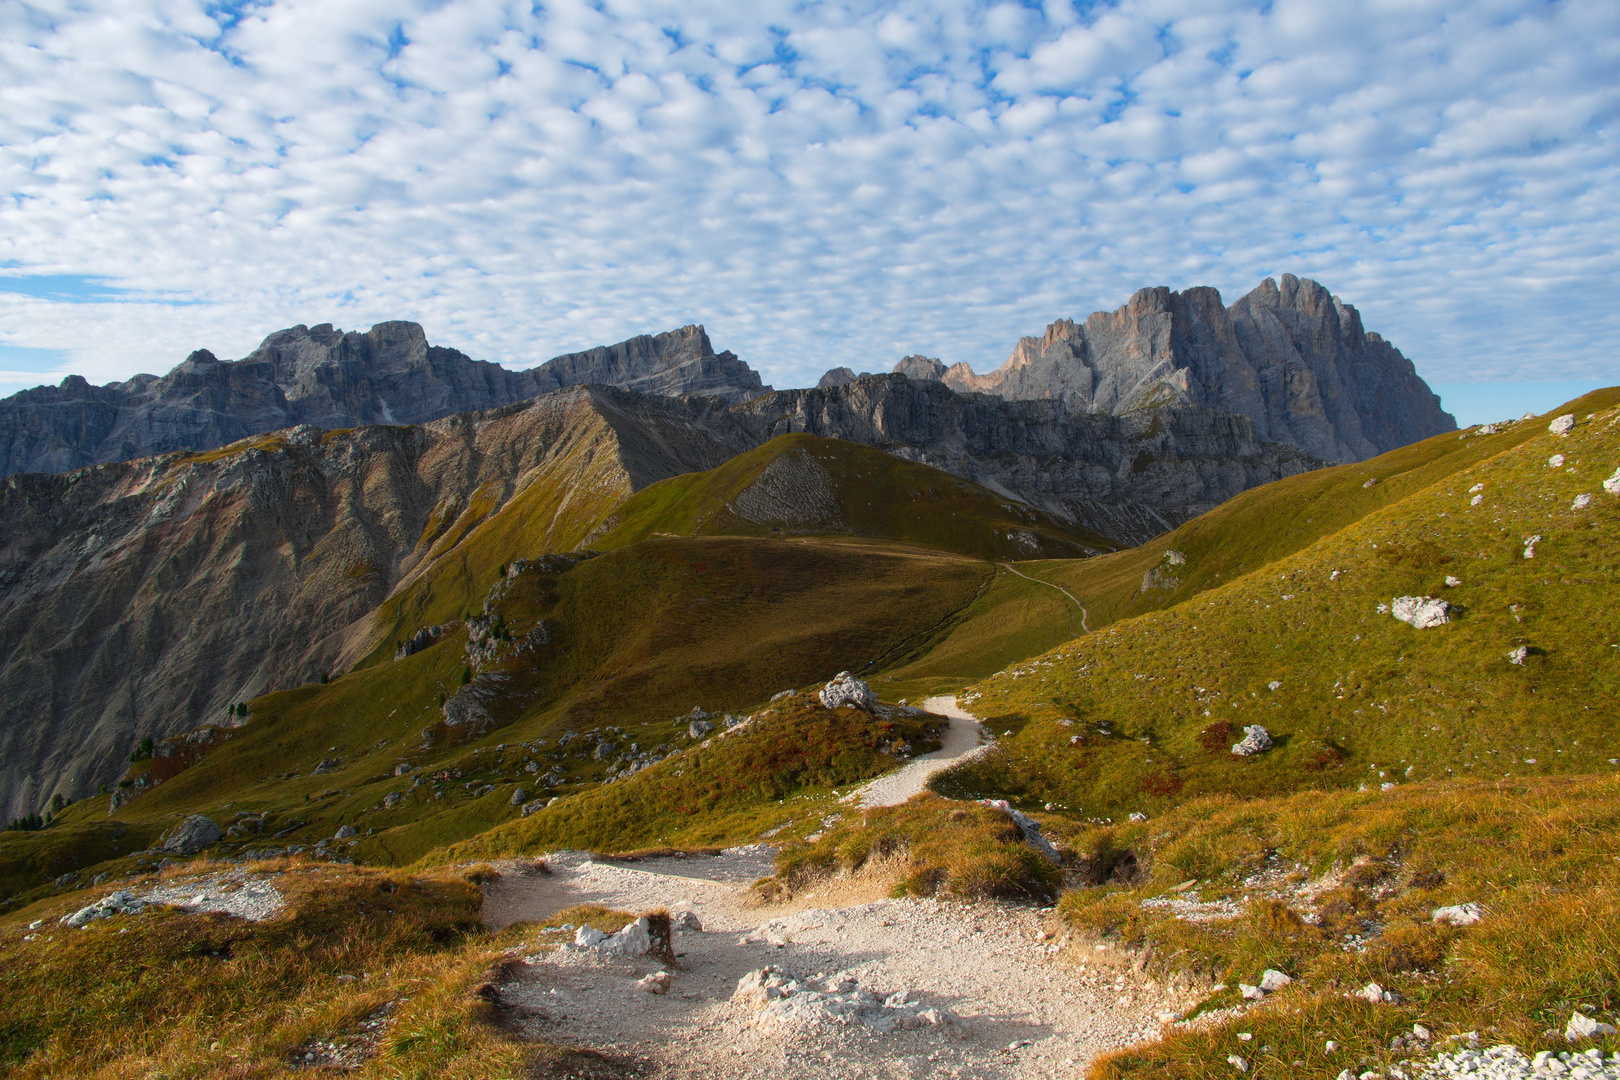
[[1291, 357], [330, 379]]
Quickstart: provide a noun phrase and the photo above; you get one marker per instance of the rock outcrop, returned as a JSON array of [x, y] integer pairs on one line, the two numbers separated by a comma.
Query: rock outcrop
[[1291, 357], [330, 379]]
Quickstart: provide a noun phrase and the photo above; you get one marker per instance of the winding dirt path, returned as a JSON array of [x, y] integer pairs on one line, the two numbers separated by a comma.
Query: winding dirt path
[[1083, 627], [1028, 1007], [962, 742]]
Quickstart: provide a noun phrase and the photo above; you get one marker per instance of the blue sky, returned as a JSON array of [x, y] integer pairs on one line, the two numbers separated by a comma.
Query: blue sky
[[820, 184]]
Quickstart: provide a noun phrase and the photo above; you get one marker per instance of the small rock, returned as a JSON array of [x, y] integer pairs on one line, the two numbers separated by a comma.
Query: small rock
[[1330, 1046], [1563, 425], [1556, 461], [1274, 685], [846, 689], [685, 920], [519, 797], [401, 770], [1519, 655], [1256, 740], [588, 937], [1420, 1033], [699, 729], [533, 807], [1238, 1063], [1476, 500], [1581, 502], [192, 835], [1452, 582], [1612, 484], [1272, 980], [392, 799], [1250, 993], [1370, 482], [345, 832], [1175, 558], [1420, 612], [1582, 1027], [1374, 994], [1030, 830], [328, 765], [1530, 543], [656, 983]]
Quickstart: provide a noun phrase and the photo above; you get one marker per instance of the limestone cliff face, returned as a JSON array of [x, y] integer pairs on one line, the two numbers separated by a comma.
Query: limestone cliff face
[[141, 598], [1130, 477], [1291, 357], [331, 379]]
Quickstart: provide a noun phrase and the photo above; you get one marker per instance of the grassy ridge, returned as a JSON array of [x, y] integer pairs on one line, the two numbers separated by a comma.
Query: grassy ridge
[[807, 485], [1336, 890], [1154, 703]]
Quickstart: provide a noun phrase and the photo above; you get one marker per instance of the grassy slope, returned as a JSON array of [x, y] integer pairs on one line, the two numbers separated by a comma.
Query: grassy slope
[[640, 636], [1363, 699], [1247, 532], [877, 496], [1312, 873]]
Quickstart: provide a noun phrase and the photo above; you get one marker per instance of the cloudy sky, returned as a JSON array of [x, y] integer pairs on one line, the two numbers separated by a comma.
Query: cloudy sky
[[818, 183]]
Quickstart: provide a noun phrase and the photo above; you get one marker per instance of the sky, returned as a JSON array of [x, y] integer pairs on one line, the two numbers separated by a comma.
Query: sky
[[820, 184]]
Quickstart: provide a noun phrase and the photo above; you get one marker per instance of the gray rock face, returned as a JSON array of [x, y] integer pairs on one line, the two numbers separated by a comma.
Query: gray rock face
[[330, 379], [192, 835], [920, 367], [1129, 477], [1291, 357], [837, 376]]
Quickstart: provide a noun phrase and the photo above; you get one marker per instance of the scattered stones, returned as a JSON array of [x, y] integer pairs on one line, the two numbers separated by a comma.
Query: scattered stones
[[1582, 501], [118, 903], [1272, 980], [780, 997], [1530, 543], [1563, 425], [1374, 994], [192, 835], [1507, 1062], [1458, 914], [1519, 656], [1256, 740], [1420, 612], [633, 940], [1582, 1027], [846, 689]]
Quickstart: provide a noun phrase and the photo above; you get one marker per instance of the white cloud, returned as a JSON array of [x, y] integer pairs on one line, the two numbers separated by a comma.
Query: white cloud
[[820, 184]]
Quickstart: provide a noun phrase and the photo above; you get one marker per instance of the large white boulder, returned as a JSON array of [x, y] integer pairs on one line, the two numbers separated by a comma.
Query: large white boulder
[[846, 689], [192, 835], [1420, 612], [1563, 425]]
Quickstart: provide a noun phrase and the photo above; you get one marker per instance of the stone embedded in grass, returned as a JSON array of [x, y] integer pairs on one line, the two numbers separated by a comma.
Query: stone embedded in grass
[[1420, 612], [345, 832], [1556, 461], [1452, 582], [1563, 425], [192, 835], [118, 903], [1027, 826], [1530, 543], [1582, 1027], [1582, 501], [1272, 980], [1612, 484], [1519, 656], [846, 689], [1458, 914], [1256, 740], [519, 797], [1250, 993], [1374, 994], [1238, 1063], [699, 729]]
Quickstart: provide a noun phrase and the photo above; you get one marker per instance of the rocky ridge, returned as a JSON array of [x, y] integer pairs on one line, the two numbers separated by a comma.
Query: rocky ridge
[[330, 379], [1290, 356]]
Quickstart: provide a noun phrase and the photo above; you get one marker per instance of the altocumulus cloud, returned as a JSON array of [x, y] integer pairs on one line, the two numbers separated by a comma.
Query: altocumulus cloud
[[819, 183]]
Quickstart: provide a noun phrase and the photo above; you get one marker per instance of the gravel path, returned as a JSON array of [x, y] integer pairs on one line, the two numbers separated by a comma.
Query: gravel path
[[961, 743], [1084, 629], [1027, 1006]]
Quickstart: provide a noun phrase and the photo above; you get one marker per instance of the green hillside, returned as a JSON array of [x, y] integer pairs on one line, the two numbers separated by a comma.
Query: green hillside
[[1142, 715], [804, 485]]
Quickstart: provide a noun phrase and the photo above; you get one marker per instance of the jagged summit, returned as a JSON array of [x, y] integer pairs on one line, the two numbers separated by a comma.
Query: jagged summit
[[323, 376], [1291, 357]]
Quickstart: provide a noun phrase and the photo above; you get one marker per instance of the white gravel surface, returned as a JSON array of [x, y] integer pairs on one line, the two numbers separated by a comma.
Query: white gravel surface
[[962, 742], [1027, 1008], [1507, 1062], [233, 892]]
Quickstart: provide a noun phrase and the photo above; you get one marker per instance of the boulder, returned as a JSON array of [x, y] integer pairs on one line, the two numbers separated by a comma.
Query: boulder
[[1612, 484], [392, 799], [1519, 655], [1250, 993], [1556, 461], [685, 920], [1420, 612], [118, 903], [1458, 914], [519, 797], [846, 689], [699, 729], [345, 832], [656, 983], [1582, 501], [192, 835], [1256, 740], [1563, 425]]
